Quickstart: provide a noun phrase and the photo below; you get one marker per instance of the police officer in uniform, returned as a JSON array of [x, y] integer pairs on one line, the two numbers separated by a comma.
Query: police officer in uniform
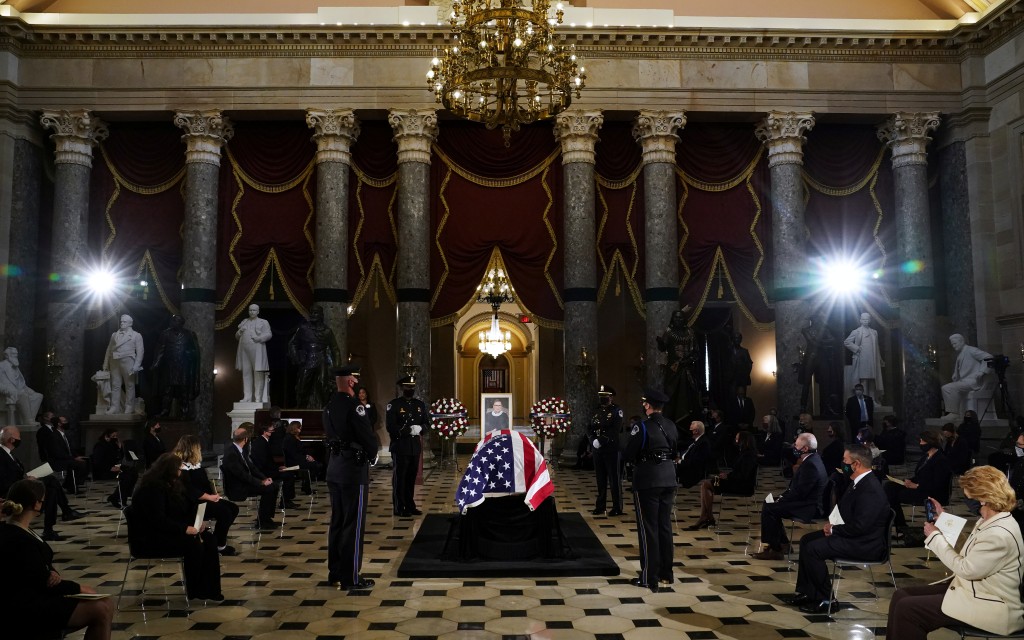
[[406, 416], [604, 438], [651, 447], [353, 447]]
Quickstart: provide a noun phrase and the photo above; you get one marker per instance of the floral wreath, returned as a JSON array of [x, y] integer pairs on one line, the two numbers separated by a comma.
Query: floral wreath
[[550, 417], [448, 417]]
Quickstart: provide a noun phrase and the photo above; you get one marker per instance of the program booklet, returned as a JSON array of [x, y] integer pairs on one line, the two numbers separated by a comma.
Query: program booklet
[[894, 479], [41, 471], [87, 596], [769, 498], [950, 526], [295, 468], [834, 518], [200, 515]]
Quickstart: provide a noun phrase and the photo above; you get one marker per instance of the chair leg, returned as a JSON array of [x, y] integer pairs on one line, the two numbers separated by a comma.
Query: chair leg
[[837, 573], [124, 581], [892, 575], [184, 587]]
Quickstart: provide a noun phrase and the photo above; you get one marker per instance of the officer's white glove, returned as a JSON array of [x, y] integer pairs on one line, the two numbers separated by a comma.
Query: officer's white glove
[[415, 429], [597, 445], [375, 459]]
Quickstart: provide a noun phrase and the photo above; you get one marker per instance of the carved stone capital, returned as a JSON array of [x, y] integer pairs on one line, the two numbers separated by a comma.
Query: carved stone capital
[[205, 134], [75, 134], [576, 131], [783, 134], [907, 136], [335, 131], [656, 133], [415, 131]]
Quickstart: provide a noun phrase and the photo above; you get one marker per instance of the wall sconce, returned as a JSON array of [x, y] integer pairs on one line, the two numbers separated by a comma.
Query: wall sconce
[[53, 368], [584, 367], [215, 372], [933, 355], [410, 367]]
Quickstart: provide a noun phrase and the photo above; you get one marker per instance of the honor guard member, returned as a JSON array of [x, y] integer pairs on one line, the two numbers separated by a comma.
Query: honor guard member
[[651, 448], [353, 447], [604, 438], [406, 416]]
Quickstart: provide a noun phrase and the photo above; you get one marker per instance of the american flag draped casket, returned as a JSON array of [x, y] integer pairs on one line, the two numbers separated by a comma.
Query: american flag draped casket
[[505, 463]]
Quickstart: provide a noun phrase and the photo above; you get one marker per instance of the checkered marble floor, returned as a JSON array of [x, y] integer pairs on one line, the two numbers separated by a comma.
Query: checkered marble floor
[[276, 587]]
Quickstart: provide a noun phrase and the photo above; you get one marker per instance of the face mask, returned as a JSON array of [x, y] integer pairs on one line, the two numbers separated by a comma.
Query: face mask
[[157, 430], [15, 443], [859, 393], [408, 393], [847, 470], [1019, 451], [605, 400], [797, 452], [925, 447], [974, 506]]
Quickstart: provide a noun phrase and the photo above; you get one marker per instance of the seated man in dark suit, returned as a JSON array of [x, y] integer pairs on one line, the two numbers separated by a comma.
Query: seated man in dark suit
[[242, 479], [930, 479], [892, 441], [739, 410], [865, 516], [294, 456], [697, 458], [11, 470], [109, 462], [832, 454], [55, 450], [802, 499], [261, 452], [722, 437]]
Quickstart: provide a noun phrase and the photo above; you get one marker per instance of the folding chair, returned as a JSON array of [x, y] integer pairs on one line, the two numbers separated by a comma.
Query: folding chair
[[839, 563], [135, 556]]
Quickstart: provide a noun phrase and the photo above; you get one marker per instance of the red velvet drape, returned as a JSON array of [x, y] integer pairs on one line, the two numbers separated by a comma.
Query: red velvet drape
[[267, 200], [483, 202], [137, 185], [373, 186]]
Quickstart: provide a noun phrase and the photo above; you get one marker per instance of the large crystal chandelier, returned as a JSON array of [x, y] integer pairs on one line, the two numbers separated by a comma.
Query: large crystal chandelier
[[504, 68], [495, 290]]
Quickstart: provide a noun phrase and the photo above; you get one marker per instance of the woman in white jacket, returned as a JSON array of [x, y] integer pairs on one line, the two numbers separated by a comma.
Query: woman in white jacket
[[985, 589]]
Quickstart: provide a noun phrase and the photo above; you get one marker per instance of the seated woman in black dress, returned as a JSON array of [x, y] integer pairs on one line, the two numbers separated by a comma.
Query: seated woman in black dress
[[930, 479], [957, 450], [162, 527], [34, 596], [769, 442], [738, 482], [198, 489]]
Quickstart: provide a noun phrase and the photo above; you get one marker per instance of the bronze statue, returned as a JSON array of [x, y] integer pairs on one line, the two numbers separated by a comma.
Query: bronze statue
[[740, 364], [818, 365], [314, 350], [177, 368], [679, 342]]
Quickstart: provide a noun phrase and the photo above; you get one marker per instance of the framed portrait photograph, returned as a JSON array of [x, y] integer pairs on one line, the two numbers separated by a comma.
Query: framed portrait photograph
[[495, 412]]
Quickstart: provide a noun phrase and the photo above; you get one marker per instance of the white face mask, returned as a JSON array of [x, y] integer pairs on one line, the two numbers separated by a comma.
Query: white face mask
[[1019, 451]]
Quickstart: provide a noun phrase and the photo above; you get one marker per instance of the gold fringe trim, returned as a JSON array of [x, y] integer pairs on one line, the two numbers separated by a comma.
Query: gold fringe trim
[[839, 192], [512, 181], [731, 183], [610, 269]]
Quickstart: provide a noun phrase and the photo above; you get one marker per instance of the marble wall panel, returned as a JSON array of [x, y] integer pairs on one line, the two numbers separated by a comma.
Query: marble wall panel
[[8, 67], [657, 74], [49, 72], [392, 72], [926, 77], [612, 73], [850, 76], [1004, 58], [331, 72], [787, 75], [725, 74], [247, 72]]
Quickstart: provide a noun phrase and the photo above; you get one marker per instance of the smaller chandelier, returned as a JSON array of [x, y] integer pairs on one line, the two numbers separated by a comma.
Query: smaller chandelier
[[495, 290], [504, 68]]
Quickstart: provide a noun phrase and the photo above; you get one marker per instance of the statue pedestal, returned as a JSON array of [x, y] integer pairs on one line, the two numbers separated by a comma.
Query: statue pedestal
[[244, 412], [117, 417]]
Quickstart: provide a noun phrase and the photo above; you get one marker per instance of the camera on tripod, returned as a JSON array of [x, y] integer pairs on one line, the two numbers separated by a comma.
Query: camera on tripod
[[999, 363]]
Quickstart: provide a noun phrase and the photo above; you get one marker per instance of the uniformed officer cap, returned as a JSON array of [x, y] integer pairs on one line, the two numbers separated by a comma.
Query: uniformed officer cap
[[653, 396], [347, 370], [606, 390], [407, 381]]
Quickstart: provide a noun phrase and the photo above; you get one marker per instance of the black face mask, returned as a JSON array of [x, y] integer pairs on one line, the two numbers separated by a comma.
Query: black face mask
[[408, 393], [974, 506], [847, 470], [605, 400], [925, 447], [15, 443], [157, 430]]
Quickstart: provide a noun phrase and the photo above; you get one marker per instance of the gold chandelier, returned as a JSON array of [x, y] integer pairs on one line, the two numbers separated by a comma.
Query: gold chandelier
[[504, 68], [495, 290]]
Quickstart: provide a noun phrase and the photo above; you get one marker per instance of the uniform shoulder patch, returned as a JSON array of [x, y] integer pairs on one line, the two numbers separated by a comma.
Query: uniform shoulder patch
[[360, 409], [635, 430], [389, 407], [620, 413]]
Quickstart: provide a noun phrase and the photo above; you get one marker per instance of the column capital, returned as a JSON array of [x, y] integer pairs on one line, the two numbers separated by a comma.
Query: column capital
[[335, 131], [75, 132], [206, 132], [783, 133], [576, 130], [656, 133], [907, 136], [415, 131]]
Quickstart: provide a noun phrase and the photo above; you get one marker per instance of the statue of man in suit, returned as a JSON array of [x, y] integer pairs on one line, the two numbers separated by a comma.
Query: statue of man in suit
[[124, 361], [968, 375], [21, 401], [867, 357]]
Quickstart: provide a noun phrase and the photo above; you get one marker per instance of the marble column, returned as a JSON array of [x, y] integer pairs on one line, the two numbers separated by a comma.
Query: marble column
[[23, 190], [576, 131], [335, 132], [783, 134], [415, 130], [205, 133], [76, 133], [656, 133], [957, 241], [907, 137]]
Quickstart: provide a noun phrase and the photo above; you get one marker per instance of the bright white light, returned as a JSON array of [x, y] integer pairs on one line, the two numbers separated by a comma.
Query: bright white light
[[100, 282], [842, 277]]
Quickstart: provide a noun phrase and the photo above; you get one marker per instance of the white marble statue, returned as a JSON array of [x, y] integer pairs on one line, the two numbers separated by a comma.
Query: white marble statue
[[867, 358], [102, 380], [968, 375], [124, 361], [21, 402], [251, 359]]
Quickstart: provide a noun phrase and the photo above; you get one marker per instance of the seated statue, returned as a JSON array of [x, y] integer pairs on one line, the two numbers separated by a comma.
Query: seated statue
[[968, 375], [21, 402], [314, 350], [177, 368]]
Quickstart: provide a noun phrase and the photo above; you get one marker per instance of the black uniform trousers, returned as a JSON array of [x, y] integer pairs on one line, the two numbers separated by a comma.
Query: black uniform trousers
[[345, 535], [606, 465], [654, 528], [403, 483]]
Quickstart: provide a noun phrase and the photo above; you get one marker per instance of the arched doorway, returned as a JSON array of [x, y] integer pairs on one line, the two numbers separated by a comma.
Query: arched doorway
[[513, 372]]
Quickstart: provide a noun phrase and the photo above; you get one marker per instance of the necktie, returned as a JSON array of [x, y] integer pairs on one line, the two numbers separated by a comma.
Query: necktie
[[863, 411], [65, 438]]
